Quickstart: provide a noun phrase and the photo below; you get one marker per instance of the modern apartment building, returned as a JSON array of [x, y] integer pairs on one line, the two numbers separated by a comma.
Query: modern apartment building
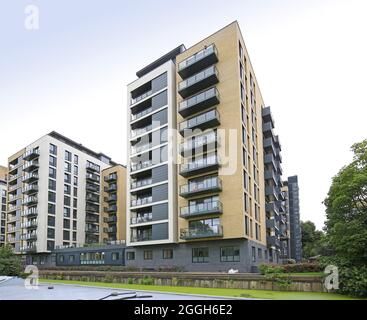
[[285, 242], [114, 204], [217, 216], [276, 214], [3, 191], [294, 219], [54, 195]]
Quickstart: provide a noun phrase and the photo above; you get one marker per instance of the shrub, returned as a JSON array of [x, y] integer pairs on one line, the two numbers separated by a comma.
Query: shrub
[[353, 281], [270, 269], [147, 281], [302, 267], [10, 264]]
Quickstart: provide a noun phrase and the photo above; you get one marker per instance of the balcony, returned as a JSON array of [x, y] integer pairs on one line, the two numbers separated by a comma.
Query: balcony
[[29, 224], [14, 177], [91, 208], [29, 213], [273, 241], [90, 197], [147, 217], [30, 189], [93, 167], [92, 177], [141, 131], [141, 201], [270, 159], [141, 183], [269, 145], [202, 209], [90, 229], [141, 165], [112, 188], [272, 224], [199, 102], [200, 60], [201, 187], [31, 154], [270, 175], [29, 178], [268, 129], [267, 115], [111, 198], [29, 237], [111, 177], [141, 238], [201, 233], [209, 141], [141, 97], [112, 209], [272, 207], [91, 219], [141, 114], [29, 201], [141, 148], [112, 219], [30, 166], [204, 121], [92, 187], [112, 230], [12, 208], [270, 191], [198, 82], [29, 249], [200, 166]]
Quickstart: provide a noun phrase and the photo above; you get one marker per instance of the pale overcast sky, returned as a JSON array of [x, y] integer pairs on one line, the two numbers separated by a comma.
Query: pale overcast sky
[[71, 74]]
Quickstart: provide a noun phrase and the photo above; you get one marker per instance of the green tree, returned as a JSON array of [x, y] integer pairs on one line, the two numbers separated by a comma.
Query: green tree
[[346, 210], [10, 264], [312, 240]]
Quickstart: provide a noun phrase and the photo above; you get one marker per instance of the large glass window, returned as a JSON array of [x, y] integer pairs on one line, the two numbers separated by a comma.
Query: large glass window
[[230, 254], [53, 149], [200, 255], [53, 161], [148, 255]]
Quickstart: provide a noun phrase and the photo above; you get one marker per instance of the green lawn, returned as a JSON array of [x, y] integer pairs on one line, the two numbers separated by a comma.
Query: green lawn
[[237, 293], [318, 274]]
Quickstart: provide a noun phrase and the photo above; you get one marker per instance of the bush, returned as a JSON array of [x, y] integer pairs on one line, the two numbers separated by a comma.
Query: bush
[[147, 281], [10, 264], [302, 267], [270, 269], [353, 281]]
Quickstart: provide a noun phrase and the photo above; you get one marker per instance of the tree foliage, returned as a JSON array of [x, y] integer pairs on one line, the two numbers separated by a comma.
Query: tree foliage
[[10, 264]]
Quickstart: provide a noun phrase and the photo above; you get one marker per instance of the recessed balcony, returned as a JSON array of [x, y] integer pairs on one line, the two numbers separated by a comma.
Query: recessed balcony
[[194, 188], [112, 188], [141, 238], [111, 177], [111, 198], [112, 209], [93, 167], [112, 219], [92, 177], [29, 249], [141, 165], [200, 60], [141, 201], [200, 166], [91, 219], [199, 102], [29, 213], [143, 218], [112, 230], [30, 189], [90, 229], [273, 241], [200, 144], [29, 201], [198, 82], [31, 154], [30, 166], [32, 224], [201, 233], [91, 208], [30, 177], [272, 224], [201, 209], [29, 237], [136, 184], [90, 197], [202, 122]]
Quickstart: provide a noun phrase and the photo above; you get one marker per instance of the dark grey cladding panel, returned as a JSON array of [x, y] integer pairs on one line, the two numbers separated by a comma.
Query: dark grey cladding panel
[[159, 136], [160, 174], [160, 231], [160, 118], [160, 193], [160, 155], [160, 212], [160, 82]]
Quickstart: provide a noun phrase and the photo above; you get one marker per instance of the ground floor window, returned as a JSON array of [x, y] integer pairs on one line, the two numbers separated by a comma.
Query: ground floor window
[[130, 255], [92, 258], [253, 254], [148, 255], [71, 258], [115, 256], [230, 254], [167, 254], [200, 255]]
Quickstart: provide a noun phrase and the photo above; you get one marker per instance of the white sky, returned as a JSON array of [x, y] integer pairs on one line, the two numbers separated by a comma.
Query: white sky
[[71, 75]]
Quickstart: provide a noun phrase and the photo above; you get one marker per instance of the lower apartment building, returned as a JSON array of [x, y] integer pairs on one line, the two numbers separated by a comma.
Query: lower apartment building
[[55, 196], [3, 191]]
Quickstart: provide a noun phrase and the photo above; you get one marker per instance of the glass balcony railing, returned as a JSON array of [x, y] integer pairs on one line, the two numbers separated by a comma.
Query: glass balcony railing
[[30, 212], [141, 165], [141, 201], [31, 165], [92, 177], [199, 187], [147, 217], [142, 237], [141, 114], [30, 177], [198, 82], [32, 188], [141, 148], [140, 131], [199, 142], [213, 207], [111, 177], [31, 154], [141, 183], [201, 59], [141, 97], [199, 102], [215, 231], [203, 121], [29, 200], [93, 167], [200, 166]]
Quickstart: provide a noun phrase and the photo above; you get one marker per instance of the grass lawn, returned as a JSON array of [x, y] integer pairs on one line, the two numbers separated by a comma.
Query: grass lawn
[[236, 293], [317, 274]]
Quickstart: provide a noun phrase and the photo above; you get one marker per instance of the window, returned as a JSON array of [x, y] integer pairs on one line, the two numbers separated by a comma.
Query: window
[[75, 213], [75, 192], [66, 224], [52, 161], [67, 156], [52, 173], [200, 255], [66, 212], [51, 221], [67, 178], [67, 201], [76, 159], [67, 189], [130, 255], [75, 202], [75, 181], [74, 235], [51, 196], [67, 167], [74, 225], [115, 256], [50, 245], [51, 208], [230, 254], [61, 258], [53, 149], [253, 254], [76, 170], [167, 254], [66, 235], [50, 233], [240, 50], [148, 255], [259, 253], [52, 185], [71, 258]]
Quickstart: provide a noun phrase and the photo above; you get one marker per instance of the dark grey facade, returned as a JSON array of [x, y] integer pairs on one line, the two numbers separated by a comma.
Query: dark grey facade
[[202, 256], [294, 217]]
